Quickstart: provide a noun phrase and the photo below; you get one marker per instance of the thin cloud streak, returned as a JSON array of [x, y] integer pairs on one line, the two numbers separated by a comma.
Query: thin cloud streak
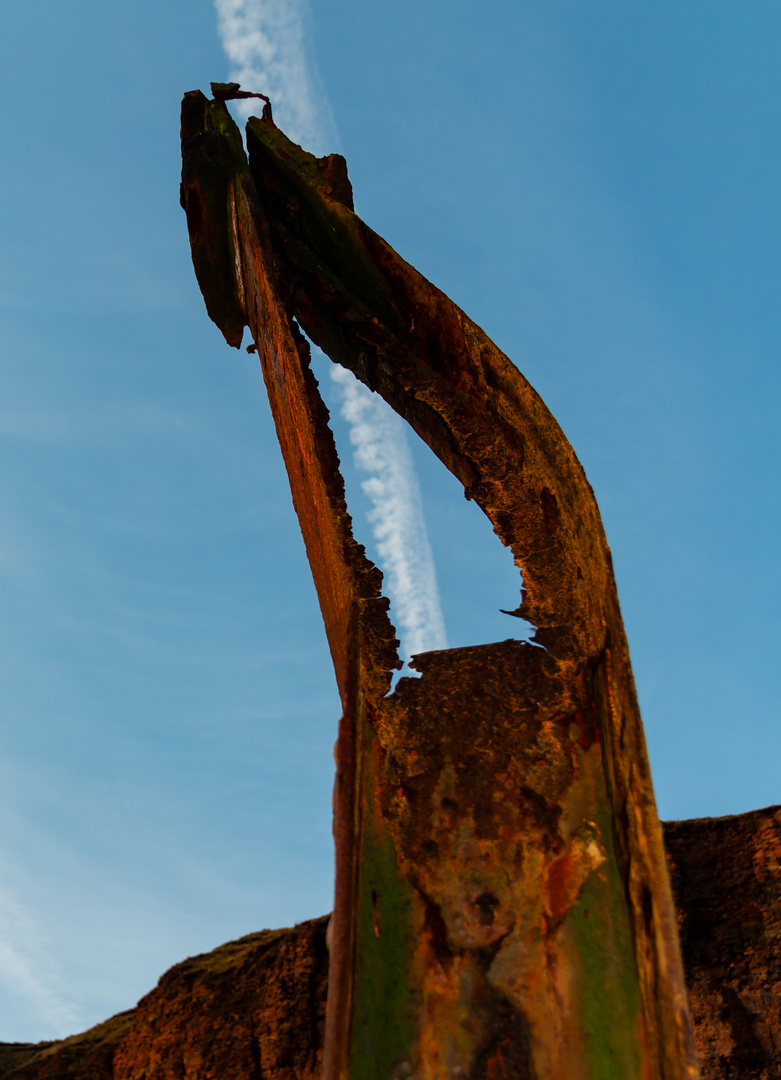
[[25, 972], [265, 42], [381, 450]]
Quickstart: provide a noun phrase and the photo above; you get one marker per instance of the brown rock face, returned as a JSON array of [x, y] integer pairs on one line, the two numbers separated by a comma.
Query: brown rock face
[[81, 1057], [726, 875], [254, 1009]]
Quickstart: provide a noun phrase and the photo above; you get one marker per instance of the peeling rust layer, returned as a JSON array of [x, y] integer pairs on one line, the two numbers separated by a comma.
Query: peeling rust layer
[[502, 902]]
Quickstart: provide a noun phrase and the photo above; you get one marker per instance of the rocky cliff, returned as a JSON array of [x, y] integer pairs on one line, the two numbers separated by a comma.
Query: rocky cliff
[[254, 1009], [726, 876]]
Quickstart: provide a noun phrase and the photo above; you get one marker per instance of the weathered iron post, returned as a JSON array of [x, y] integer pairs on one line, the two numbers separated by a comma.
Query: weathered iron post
[[502, 902]]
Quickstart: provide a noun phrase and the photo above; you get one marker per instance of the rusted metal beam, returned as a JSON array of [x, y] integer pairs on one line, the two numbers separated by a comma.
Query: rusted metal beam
[[502, 902]]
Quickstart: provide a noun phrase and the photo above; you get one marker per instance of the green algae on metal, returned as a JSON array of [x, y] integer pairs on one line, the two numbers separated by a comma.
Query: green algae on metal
[[383, 1019]]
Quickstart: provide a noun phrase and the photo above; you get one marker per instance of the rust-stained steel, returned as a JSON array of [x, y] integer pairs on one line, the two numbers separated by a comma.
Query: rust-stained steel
[[502, 903]]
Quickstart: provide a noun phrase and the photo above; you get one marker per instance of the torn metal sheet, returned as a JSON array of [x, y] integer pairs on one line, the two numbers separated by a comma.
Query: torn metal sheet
[[502, 903]]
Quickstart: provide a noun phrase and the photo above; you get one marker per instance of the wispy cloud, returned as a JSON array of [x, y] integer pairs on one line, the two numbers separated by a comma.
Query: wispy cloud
[[26, 972], [265, 42], [382, 451]]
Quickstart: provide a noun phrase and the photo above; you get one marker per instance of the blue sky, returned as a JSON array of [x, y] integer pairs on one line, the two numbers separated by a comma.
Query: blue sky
[[596, 184]]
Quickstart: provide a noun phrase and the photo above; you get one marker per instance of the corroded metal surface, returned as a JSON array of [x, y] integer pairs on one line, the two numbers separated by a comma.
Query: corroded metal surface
[[502, 904]]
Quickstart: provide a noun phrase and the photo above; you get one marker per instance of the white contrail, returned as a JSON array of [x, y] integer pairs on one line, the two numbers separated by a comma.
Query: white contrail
[[382, 451], [265, 42]]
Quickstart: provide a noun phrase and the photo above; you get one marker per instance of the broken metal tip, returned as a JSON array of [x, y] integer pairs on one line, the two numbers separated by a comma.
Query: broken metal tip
[[232, 91]]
